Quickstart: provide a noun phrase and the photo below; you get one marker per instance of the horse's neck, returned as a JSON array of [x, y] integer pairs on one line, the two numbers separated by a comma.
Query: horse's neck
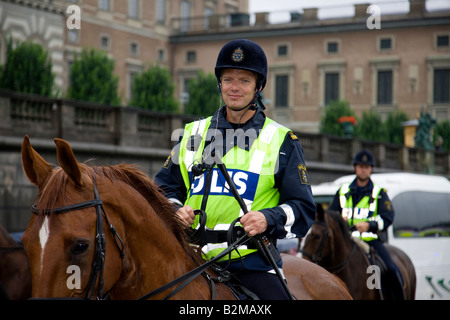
[[353, 263], [153, 258], [345, 251]]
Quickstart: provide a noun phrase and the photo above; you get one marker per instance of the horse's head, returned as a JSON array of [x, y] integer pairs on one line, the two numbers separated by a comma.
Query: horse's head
[[62, 237], [327, 239], [318, 242]]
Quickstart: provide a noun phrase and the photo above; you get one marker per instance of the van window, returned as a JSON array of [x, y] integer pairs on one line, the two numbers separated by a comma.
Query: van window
[[421, 214]]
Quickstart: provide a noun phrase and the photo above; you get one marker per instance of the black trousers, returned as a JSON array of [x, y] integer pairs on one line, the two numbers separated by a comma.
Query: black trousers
[[266, 285]]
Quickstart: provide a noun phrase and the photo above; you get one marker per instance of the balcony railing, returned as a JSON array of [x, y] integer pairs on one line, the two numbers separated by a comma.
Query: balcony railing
[[75, 121]]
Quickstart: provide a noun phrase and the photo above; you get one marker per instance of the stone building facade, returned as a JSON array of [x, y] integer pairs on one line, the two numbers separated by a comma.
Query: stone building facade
[[403, 65]]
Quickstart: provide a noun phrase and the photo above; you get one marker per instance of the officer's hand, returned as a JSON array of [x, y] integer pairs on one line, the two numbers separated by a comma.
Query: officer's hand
[[362, 226], [254, 222], [186, 215]]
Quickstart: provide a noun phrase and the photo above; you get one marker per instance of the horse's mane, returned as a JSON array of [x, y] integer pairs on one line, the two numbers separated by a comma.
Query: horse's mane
[[341, 224], [130, 175], [7, 237]]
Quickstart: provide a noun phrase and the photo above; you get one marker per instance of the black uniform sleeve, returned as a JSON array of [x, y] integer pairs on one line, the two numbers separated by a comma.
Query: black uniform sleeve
[[296, 210], [385, 211], [336, 203], [170, 180]]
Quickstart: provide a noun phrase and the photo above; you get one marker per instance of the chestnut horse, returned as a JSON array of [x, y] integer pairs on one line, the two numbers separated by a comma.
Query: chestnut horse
[[15, 278], [142, 248], [329, 244]]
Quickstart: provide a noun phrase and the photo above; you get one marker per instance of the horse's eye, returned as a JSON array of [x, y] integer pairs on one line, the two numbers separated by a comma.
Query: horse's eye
[[315, 236], [80, 247]]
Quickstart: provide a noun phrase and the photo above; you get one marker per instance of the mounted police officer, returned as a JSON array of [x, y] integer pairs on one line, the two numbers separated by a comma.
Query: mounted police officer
[[264, 160], [368, 209]]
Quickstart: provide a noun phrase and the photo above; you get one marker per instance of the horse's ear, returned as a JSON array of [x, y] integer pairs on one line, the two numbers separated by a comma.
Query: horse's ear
[[320, 213], [35, 167], [67, 161]]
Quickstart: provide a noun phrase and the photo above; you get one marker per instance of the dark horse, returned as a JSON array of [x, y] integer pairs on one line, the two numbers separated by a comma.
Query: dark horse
[[108, 231], [330, 245], [15, 278]]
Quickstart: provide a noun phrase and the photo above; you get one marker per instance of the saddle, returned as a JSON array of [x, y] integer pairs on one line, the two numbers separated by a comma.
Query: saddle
[[386, 279]]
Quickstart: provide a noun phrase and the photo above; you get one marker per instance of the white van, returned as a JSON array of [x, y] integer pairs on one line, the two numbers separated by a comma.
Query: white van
[[421, 226]]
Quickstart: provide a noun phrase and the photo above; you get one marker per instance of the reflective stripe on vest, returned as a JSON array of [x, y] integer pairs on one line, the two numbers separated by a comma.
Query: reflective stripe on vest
[[253, 173], [363, 211]]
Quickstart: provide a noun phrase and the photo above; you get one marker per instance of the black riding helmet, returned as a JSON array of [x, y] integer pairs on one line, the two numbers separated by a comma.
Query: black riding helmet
[[364, 157], [247, 55]]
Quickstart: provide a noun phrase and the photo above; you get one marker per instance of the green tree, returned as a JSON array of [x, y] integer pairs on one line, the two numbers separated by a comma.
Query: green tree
[[92, 78], [204, 96], [28, 69], [371, 127], [393, 126], [329, 123], [442, 129], [153, 89]]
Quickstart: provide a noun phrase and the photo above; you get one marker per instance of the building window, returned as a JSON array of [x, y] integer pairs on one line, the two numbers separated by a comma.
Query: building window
[[385, 83], [161, 55], [105, 43], [442, 41], [73, 36], [282, 50], [441, 86], [185, 15], [161, 12], [384, 92], [331, 80], [131, 78], [133, 9], [207, 14], [134, 49], [184, 97], [281, 90], [104, 5], [385, 44], [331, 87], [332, 47], [191, 56]]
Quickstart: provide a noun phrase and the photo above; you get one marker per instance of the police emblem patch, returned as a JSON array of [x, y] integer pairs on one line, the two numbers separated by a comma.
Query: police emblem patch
[[388, 205], [238, 55], [303, 174], [169, 160]]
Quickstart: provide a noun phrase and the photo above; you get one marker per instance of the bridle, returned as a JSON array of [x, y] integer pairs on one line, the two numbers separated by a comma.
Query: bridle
[[5, 250], [98, 262], [317, 257]]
